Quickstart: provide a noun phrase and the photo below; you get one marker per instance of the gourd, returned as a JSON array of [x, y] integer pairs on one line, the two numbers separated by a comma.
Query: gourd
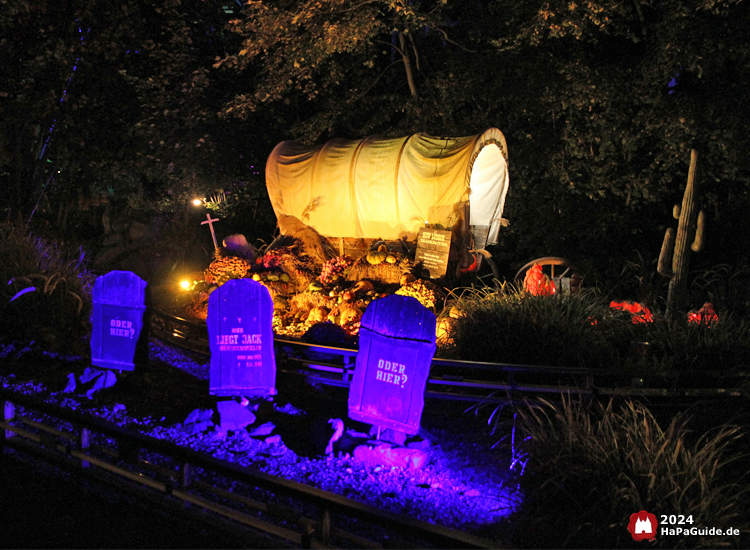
[[378, 256]]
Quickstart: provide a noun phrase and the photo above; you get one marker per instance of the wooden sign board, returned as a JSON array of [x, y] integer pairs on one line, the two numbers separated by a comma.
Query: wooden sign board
[[433, 248]]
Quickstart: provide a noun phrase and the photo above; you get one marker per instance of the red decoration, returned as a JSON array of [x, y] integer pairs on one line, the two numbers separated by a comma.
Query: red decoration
[[537, 283], [472, 267], [704, 316], [640, 313]]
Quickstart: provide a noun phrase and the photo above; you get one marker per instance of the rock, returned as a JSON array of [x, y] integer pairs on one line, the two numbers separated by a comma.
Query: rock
[[71, 387], [197, 421], [263, 429], [274, 440], [233, 416], [384, 454], [118, 407]]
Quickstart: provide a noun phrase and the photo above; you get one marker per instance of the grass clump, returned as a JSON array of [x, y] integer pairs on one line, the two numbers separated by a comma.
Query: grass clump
[[512, 326], [584, 469], [46, 293], [680, 345]]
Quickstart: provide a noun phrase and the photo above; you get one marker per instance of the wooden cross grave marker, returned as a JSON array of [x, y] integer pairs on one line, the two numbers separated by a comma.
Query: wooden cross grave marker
[[210, 221]]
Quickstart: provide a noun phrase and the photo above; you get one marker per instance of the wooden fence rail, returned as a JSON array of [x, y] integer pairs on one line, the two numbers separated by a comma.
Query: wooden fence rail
[[478, 381]]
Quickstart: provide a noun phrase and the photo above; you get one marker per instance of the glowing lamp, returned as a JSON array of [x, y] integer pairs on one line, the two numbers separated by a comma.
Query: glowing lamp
[[185, 284], [197, 202]]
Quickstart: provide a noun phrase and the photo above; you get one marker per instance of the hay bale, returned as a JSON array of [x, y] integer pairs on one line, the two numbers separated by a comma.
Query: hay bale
[[300, 276], [306, 301], [384, 273]]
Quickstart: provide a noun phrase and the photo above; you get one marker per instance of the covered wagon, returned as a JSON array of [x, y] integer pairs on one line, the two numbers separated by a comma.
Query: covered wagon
[[354, 192]]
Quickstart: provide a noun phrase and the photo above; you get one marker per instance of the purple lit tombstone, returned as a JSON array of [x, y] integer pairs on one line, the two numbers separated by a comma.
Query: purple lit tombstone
[[116, 334], [240, 313], [396, 346]]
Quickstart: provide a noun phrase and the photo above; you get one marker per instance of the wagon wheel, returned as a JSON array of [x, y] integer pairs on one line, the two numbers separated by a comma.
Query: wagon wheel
[[548, 263]]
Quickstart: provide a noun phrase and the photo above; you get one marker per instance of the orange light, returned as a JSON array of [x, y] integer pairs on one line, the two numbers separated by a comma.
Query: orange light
[[197, 202], [185, 285]]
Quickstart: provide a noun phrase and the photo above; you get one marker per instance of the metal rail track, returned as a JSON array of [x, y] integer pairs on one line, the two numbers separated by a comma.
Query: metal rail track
[[477, 381], [289, 512]]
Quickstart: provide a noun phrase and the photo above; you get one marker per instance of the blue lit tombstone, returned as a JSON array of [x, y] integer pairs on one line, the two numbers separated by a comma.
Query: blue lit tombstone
[[396, 347], [117, 332], [240, 315]]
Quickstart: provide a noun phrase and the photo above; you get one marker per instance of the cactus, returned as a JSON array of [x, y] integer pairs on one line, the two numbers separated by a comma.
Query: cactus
[[690, 226]]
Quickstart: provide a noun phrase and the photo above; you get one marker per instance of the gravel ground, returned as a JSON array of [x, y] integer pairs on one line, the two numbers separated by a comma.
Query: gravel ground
[[461, 486]]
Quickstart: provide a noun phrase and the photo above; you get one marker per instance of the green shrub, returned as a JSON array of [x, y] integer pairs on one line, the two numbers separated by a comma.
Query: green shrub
[[55, 314], [583, 470]]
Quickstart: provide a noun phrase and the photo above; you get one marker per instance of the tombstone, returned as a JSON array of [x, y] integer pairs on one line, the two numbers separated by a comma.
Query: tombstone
[[117, 336], [396, 346], [240, 313]]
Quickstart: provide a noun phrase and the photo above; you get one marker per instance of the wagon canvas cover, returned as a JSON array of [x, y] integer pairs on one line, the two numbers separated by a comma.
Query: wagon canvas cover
[[390, 187]]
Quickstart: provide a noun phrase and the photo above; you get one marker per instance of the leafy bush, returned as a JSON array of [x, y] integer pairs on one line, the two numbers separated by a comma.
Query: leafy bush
[[46, 295], [583, 470]]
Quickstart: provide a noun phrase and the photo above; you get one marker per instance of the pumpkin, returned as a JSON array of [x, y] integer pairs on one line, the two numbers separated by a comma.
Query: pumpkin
[[377, 257], [317, 314], [407, 278], [349, 315], [391, 259]]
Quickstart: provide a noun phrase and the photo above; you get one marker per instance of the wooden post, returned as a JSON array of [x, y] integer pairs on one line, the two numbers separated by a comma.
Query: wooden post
[[9, 413], [85, 442], [324, 526], [186, 479]]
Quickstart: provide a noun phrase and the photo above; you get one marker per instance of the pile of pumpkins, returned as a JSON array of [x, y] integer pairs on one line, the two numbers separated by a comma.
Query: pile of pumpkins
[[377, 257]]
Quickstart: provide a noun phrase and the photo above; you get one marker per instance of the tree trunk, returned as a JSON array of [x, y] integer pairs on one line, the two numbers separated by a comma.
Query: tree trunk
[[407, 65]]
